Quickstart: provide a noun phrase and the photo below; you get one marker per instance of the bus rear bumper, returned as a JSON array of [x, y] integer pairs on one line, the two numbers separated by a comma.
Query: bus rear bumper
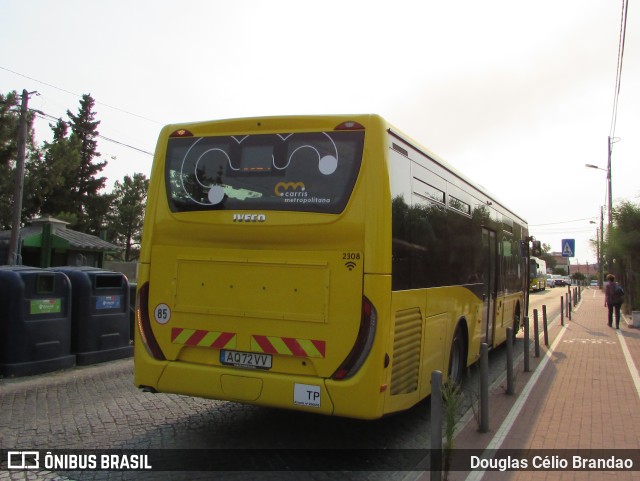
[[246, 386]]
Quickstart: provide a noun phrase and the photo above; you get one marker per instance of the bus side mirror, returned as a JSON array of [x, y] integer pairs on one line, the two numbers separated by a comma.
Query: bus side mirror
[[523, 248], [536, 249]]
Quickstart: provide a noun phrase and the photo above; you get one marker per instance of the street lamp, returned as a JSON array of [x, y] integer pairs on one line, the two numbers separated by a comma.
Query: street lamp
[[608, 171], [610, 142]]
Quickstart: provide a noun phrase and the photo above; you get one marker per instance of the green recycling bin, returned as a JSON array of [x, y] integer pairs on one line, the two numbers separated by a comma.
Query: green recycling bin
[[35, 321]]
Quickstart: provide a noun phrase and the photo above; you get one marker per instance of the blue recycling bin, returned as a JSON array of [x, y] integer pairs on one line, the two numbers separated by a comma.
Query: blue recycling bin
[[99, 314], [35, 321]]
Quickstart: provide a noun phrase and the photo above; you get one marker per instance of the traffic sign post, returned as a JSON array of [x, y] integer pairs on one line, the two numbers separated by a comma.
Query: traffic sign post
[[568, 247], [568, 250]]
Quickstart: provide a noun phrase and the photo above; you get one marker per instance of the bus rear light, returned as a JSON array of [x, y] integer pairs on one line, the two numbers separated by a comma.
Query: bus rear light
[[362, 346], [349, 125], [181, 133], [144, 323]]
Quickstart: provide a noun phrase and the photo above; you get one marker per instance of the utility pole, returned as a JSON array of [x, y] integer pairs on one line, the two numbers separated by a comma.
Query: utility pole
[[19, 182], [609, 219], [601, 253]]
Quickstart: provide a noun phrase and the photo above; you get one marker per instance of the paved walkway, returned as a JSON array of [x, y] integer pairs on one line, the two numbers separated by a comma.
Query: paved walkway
[[583, 394]]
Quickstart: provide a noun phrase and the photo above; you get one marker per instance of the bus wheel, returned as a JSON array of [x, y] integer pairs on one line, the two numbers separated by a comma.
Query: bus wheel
[[457, 358], [516, 322]]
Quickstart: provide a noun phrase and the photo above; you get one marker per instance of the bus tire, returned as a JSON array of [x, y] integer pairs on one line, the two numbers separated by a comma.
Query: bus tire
[[516, 321], [457, 356]]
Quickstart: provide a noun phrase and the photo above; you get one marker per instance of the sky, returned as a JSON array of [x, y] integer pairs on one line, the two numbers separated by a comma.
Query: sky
[[517, 95]]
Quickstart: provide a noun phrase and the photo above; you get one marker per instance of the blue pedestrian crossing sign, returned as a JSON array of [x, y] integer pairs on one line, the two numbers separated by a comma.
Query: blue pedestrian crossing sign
[[568, 247]]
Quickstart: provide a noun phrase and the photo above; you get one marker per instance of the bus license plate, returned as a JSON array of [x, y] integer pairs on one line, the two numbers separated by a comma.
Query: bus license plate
[[251, 360]]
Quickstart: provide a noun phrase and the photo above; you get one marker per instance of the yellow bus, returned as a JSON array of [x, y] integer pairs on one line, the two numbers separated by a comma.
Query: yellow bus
[[537, 274], [326, 264]]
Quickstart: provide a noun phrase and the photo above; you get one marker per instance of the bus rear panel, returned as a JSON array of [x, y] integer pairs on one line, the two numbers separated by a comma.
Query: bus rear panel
[[253, 266], [323, 264]]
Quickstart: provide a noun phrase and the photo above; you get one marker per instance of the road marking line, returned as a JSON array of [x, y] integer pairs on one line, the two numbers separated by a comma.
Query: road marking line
[[630, 364]]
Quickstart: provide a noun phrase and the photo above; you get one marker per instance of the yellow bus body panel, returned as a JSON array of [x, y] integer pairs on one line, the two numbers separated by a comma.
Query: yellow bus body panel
[[293, 287]]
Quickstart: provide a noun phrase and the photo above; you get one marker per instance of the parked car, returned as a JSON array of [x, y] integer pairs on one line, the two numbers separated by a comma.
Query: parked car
[[594, 283], [559, 282]]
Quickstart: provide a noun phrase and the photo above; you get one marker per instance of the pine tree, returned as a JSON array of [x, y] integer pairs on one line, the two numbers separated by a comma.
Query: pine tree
[[89, 205], [50, 179], [8, 153], [70, 186], [9, 121]]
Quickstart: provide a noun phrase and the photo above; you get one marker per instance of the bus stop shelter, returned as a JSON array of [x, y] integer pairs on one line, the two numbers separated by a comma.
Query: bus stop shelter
[[48, 242]]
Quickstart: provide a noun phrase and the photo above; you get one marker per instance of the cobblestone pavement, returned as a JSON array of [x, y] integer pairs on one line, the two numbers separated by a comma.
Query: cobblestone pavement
[[97, 407]]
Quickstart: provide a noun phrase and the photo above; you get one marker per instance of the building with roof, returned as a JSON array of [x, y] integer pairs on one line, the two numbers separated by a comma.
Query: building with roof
[[47, 242], [588, 270]]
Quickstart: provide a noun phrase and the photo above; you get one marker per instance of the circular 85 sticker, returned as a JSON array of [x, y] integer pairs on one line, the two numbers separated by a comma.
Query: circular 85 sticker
[[162, 313]]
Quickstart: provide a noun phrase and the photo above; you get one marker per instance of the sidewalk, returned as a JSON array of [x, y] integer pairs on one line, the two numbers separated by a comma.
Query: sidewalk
[[582, 393]]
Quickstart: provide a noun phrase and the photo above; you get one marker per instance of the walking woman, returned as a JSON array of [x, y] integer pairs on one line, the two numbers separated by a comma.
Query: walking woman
[[613, 295]]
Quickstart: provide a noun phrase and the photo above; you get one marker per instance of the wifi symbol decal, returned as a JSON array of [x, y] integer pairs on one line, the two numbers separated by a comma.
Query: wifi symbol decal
[[350, 265]]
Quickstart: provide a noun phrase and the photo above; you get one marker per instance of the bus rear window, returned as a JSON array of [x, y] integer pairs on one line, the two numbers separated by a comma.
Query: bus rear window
[[308, 172]]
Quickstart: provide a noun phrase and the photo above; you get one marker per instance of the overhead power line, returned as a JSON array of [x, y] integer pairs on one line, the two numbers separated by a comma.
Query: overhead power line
[[563, 222], [44, 116], [621, 41], [80, 96]]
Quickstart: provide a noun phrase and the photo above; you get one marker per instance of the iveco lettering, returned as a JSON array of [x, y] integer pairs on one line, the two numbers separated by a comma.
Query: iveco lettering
[[249, 218]]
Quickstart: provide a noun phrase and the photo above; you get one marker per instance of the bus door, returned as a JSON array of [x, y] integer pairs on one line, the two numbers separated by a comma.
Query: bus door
[[489, 288]]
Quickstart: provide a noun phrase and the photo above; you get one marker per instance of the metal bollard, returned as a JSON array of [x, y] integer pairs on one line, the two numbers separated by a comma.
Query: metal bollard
[[536, 334], [562, 310], [569, 305], [484, 387], [526, 344], [510, 381], [436, 426], [544, 325]]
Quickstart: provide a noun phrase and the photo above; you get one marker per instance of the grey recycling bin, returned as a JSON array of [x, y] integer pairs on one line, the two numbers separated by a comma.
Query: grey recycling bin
[[99, 314], [35, 321]]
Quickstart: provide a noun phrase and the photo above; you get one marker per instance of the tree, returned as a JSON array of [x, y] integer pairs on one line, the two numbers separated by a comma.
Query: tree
[[578, 276], [90, 205], [547, 257], [8, 153], [127, 213], [49, 179], [9, 121], [73, 185], [622, 250]]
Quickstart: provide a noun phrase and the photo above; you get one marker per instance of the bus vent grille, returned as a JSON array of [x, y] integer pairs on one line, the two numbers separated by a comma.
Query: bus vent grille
[[406, 351], [397, 148]]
